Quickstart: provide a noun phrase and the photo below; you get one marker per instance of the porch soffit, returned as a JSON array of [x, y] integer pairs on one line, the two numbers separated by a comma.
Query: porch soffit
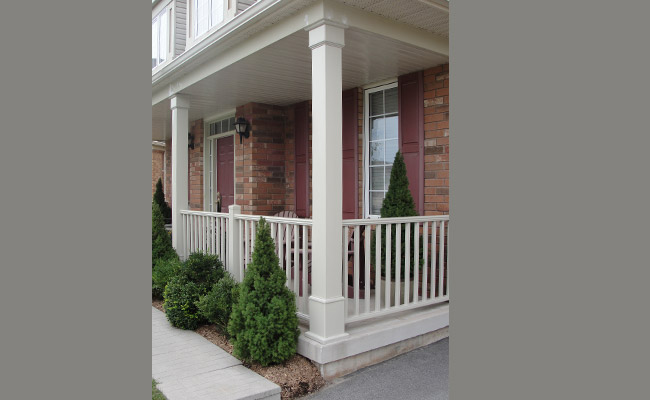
[[280, 72]]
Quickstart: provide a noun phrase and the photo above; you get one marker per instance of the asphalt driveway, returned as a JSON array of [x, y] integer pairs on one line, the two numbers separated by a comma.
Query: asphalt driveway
[[421, 374]]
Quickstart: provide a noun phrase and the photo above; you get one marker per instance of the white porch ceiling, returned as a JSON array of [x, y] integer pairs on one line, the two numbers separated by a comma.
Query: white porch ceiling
[[280, 74]]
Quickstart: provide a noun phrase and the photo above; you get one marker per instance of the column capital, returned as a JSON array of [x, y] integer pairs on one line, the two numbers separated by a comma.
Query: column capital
[[326, 32], [180, 101]]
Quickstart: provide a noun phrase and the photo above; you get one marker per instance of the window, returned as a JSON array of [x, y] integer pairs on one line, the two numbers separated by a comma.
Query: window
[[381, 131], [207, 14], [159, 38]]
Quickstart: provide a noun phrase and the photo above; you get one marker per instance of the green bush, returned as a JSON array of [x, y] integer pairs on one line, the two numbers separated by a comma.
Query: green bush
[[216, 305], [203, 269], [181, 296], [398, 203], [159, 198], [161, 242], [163, 271], [263, 323]]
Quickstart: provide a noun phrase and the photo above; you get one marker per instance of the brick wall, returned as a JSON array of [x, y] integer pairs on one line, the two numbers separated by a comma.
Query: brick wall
[[195, 170], [157, 168], [260, 180], [436, 140]]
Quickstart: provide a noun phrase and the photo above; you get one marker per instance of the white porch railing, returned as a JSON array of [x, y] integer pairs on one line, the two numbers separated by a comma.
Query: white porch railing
[[292, 238], [377, 278], [420, 274], [205, 232]]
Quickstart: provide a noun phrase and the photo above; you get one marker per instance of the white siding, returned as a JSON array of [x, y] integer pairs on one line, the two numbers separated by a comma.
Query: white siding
[[244, 4], [180, 27]]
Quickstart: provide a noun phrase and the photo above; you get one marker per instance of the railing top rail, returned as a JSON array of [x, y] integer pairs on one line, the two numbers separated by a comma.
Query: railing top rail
[[281, 220], [381, 221], [204, 213]]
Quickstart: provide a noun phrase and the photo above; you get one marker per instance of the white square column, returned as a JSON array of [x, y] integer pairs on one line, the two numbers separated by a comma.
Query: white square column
[[326, 303], [180, 124]]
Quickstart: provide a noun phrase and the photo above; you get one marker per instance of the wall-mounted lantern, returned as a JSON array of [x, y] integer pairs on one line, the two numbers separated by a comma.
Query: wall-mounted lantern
[[190, 140], [241, 127]]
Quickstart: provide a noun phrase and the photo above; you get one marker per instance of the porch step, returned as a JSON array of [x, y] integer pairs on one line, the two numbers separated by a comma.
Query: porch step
[[372, 341], [187, 366]]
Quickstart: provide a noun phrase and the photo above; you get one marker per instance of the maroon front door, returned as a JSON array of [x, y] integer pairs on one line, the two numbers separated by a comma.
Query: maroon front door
[[225, 172]]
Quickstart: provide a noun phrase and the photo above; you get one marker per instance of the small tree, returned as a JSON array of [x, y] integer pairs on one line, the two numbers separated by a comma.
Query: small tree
[[161, 242], [159, 198], [397, 203], [263, 324]]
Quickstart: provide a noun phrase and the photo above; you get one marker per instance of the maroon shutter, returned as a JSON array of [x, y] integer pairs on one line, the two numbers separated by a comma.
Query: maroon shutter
[[301, 161], [411, 133], [350, 154]]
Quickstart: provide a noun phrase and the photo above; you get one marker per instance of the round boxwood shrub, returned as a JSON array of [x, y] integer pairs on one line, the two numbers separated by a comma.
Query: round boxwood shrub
[[216, 305], [163, 271], [263, 323], [180, 297], [203, 269]]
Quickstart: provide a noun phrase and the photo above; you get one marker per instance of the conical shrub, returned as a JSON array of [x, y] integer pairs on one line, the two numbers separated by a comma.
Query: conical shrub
[[263, 324], [159, 198], [397, 203], [161, 242]]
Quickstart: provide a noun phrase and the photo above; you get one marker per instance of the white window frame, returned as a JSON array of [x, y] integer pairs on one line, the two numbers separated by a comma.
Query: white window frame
[[211, 23], [209, 150], [366, 142], [165, 11]]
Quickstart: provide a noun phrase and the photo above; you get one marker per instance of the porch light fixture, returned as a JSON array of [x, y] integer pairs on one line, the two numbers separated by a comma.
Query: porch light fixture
[[241, 127], [190, 139]]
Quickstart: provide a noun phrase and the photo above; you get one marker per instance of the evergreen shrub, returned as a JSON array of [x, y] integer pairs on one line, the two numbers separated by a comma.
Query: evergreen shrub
[[159, 198], [263, 323], [163, 271], [203, 269], [397, 203], [216, 305], [161, 242], [181, 296]]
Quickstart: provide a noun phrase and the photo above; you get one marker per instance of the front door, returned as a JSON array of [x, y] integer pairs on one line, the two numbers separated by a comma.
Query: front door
[[225, 172]]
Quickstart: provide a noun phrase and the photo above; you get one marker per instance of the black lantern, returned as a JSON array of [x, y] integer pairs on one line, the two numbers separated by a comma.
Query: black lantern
[[190, 140], [241, 127]]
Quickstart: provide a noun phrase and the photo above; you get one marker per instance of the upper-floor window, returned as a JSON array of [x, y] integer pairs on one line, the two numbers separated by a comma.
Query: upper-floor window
[[381, 125], [207, 14], [159, 38]]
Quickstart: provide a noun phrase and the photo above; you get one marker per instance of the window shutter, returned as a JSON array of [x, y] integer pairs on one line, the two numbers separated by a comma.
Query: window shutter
[[411, 133], [350, 154]]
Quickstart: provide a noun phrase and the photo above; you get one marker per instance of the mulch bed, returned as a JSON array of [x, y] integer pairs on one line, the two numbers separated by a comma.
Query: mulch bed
[[296, 377]]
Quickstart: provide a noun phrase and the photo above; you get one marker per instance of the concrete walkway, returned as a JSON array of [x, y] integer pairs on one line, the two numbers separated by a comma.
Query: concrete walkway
[[189, 367], [417, 375]]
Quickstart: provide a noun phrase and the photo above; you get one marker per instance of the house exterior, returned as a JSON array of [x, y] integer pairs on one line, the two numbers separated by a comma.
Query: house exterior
[[330, 90]]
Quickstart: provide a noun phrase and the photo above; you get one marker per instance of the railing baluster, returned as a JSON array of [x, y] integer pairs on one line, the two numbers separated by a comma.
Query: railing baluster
[[377, 267], [434, 243], [344, 246], [253, 227], [442, 258], [305, 269], [223, 238], [287, 254], [296, 263], [356, 270], [407, 264], [366, 275], [389, 231], [425, 256], [416, 262], [398, 263], [246, 244]]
